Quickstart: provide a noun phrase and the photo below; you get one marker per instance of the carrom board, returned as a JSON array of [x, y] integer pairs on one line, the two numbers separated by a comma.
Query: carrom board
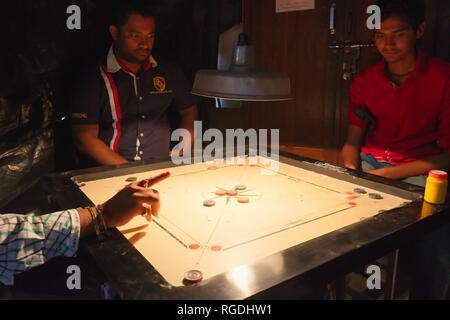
[[286, 206]]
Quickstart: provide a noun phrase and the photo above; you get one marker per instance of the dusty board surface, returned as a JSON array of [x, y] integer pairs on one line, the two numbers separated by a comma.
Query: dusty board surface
[[286, 207]]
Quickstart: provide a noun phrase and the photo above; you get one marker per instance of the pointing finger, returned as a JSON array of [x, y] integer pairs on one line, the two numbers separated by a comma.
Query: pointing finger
[[152, 181]]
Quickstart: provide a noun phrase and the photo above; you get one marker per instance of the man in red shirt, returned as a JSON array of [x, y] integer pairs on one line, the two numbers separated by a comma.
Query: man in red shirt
[[403, 104], [407, 95]]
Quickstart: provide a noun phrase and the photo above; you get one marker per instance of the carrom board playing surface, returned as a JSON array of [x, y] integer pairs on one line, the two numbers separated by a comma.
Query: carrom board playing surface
[[220, 215]]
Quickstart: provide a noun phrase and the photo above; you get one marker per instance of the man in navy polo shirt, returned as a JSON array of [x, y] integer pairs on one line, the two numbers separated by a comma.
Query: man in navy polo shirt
[[120, 110], [403, 104]]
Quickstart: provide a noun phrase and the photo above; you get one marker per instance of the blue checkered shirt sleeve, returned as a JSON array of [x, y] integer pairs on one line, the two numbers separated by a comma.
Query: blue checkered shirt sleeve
[[27, 241]]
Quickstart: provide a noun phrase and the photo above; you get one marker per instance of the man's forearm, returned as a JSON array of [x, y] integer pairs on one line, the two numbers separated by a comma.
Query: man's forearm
[[98, 151], [188, 118], [350, 155], [415, 168], [86, 225], [188, 124]]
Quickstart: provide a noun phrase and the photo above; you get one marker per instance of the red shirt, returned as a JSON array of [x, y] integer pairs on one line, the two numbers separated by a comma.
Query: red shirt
[[413, 120]]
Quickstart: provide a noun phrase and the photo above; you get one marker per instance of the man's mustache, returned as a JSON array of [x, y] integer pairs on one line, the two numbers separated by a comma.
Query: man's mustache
[[143, 50]]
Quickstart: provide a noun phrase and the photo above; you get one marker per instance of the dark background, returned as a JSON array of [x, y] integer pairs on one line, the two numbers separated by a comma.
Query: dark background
[[40, 58]]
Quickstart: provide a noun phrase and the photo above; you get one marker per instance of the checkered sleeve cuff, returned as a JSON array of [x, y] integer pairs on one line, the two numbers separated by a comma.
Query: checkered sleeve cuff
[[28, 241]]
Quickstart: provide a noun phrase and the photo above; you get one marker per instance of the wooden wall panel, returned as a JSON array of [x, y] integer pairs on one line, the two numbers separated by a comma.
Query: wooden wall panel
[[315, 115], [296, 43], [311, 71], [354, 29], [271, 34], [442, 44]]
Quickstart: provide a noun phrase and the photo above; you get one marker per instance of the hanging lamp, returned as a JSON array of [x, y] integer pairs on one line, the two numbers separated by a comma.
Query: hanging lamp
[[242, 82]]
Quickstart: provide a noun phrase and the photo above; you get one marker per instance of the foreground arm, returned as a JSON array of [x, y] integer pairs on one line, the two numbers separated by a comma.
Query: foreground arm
[[27, 241]]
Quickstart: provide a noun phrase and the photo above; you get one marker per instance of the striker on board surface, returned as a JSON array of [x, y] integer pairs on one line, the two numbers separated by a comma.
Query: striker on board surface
[[193, 276]]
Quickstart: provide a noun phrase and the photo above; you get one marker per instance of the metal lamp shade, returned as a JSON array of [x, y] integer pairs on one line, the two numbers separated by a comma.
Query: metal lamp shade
[[247, 86], [242, 82]]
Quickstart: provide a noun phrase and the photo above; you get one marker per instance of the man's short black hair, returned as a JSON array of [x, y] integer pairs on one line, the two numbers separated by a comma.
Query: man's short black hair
[[413, 11], [126, 8]]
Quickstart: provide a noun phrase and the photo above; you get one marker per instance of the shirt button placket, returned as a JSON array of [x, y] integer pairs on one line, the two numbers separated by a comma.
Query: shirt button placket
[[142, 116]]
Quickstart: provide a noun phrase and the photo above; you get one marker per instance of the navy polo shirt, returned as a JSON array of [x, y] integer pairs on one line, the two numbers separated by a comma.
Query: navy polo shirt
[[132, 110]]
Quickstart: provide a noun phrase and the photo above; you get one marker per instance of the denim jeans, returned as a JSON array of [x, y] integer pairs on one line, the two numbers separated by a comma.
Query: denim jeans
[[431, 269], [368, 162]]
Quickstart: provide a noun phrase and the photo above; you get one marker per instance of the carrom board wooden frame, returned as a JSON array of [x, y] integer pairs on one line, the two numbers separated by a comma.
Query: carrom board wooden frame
[[329, 255]]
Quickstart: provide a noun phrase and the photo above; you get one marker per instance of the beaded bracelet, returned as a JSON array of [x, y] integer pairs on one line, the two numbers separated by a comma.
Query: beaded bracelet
[[102, 223], [93, 213]]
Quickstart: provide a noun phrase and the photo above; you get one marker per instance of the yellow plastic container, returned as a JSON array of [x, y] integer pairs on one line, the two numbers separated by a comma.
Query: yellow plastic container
[[436, 187]]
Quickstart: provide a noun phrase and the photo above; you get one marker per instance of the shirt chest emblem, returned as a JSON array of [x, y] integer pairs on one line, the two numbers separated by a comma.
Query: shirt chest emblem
[[160, 85]]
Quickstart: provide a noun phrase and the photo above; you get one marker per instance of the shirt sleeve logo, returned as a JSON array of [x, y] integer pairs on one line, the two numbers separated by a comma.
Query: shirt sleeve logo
[[160, 86]]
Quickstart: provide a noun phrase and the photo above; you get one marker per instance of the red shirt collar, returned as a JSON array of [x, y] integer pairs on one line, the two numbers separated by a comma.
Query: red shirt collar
[[146, 65], [122, 66], [421, 66], [114, 64]]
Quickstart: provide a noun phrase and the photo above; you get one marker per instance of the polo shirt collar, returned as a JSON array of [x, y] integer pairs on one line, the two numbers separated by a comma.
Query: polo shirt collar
[[421, 65], [113, 65]]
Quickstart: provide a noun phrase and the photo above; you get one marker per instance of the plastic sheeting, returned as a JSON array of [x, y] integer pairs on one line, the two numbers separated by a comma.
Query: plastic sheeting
[[27, 68], [26, 137], [22, 166]]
